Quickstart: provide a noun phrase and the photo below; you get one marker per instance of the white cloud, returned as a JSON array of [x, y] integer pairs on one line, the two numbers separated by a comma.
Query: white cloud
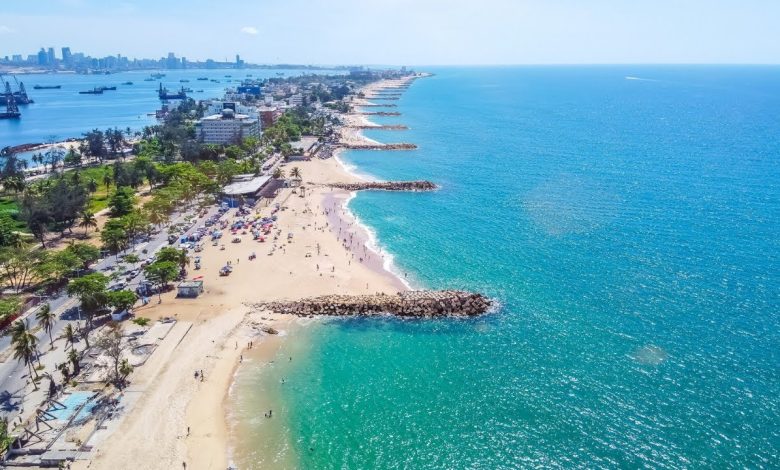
[[6, 29], [251, 30]]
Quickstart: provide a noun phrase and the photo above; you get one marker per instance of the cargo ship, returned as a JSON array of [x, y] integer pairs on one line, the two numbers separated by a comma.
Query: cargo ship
[[164, 94], [47, 87], [94, 91]]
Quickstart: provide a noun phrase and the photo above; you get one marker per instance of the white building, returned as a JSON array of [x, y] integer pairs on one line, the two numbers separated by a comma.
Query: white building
[[227, 128], [217, 106]]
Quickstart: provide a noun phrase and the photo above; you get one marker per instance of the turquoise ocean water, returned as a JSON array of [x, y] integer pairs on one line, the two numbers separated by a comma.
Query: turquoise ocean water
[[626, 218]]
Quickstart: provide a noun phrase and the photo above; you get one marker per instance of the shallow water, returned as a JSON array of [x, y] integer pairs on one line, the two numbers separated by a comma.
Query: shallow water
[[629, 230]]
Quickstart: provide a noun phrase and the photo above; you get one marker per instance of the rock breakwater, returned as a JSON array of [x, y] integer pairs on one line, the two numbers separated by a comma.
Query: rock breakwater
[[389, 127], [387, 186], [415, 304], [352, 146]]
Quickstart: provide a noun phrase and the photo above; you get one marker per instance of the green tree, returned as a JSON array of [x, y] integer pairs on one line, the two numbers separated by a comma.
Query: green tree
[[177, 256], [88, 220], [70, 335], [121, 201], [25, 347], [296, 173], [161, 273], [46, 318], [19, 266], [91, 291], [114, 236], [87, 253], [122, 299]]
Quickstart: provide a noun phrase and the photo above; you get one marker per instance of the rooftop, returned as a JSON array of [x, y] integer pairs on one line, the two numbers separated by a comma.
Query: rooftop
[[246, 187]]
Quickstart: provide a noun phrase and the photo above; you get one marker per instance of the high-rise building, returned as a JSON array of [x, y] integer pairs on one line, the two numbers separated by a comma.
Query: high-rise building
[[52, 59], [184, 62], [239, 62], [66, 56], [171, 62], [43, 59]]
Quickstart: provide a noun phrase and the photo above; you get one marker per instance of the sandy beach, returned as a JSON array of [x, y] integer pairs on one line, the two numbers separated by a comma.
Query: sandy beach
[[327, 254]]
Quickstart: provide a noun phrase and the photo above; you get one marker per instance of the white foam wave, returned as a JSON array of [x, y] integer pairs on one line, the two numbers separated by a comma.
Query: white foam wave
[[353, 170], [373, 245]]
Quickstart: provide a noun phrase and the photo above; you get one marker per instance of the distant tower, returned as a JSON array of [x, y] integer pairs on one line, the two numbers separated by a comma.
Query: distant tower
[[171, 62], [239, 62], [66, 56], [51, 58], [43, 59]]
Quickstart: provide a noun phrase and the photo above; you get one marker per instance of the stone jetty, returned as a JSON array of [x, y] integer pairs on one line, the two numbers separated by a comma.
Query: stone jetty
[[414, 304], [383, 98], [394, 127], [379, 146], [379, 113], [387, 186], [374, 105]]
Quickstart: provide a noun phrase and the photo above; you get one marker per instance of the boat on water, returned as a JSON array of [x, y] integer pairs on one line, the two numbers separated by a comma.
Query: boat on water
[[148, 79], [94, 91], [215, 80], [198, 91], [158, 75], [184, 80], [186, 89], [108, 88], [164, 94], [228, 76], [127, 83], [47, 87], [203, 78]]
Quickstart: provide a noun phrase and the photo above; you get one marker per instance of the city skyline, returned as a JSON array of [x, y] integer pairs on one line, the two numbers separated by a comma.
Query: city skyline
[[385, 32]]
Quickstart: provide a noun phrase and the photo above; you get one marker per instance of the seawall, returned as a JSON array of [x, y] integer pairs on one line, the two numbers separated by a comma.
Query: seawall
[[387, 186], [415, 304]]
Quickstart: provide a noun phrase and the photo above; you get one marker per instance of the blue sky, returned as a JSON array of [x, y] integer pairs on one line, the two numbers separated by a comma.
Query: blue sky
[[412, 32]]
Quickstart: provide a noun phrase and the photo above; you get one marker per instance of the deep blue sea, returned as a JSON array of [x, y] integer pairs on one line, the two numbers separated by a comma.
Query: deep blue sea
[[627, 218]]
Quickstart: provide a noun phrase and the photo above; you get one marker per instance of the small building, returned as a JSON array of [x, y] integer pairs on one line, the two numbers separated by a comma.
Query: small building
[[227, 128], [245, 189], [189, 289]]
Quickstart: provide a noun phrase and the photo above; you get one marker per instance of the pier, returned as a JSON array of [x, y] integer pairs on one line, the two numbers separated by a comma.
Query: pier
[[393, 127], [410, 304], [403, 146], [379, 113], [372, 105], [387, 186], [383, 98]]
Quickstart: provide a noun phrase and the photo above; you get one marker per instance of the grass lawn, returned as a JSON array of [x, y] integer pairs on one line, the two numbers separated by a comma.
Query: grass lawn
[[8, 204]]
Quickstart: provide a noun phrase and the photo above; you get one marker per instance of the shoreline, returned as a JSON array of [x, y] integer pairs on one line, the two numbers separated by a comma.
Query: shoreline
[[215, 329]]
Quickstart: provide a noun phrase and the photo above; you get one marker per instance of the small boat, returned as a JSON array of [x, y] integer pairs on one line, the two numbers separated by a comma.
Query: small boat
[[228, 76], [47, 87], [203, 78], [94, 91], [127, 83], [184, 80], [198, 91], [158, 75], [148, 79], [186, 89], [215, 80], [108, 88]]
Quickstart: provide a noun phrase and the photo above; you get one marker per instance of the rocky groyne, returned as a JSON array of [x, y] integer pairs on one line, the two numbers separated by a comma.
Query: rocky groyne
[[404, 146], [387, 186], [395, 127], [374, 105], [415, 304], [382, 98], [379, 113]]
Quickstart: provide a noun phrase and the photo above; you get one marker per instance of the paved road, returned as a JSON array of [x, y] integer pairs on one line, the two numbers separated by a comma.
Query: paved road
[[13, 374]]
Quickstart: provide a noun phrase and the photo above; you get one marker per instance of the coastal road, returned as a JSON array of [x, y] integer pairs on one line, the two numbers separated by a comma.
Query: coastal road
[[13, 374]]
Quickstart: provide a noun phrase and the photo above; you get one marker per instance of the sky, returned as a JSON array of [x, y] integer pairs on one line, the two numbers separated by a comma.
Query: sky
[[402, 32]]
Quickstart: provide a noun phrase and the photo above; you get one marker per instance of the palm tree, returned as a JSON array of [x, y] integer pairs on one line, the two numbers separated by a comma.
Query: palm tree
[[25, 348], [88, 220], [70, 335], [92, 185], [296, 173], [46, 319], [278, 173], [73, 357], [107, 180]]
